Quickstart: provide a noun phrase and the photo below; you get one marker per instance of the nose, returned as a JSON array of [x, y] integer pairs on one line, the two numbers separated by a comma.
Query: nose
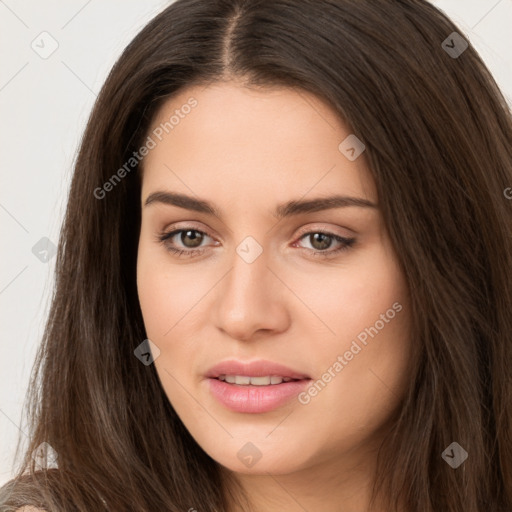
[[251, 299]]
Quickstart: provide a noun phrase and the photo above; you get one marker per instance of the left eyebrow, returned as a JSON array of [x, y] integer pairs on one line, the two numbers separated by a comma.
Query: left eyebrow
[[288, 209], [321, 203]]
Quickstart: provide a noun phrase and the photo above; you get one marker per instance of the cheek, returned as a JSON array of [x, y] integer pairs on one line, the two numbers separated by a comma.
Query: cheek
[[166, 292], [165, 297], [161, 300], [363, 363], [360, 384], [353, 297], [172, 300]]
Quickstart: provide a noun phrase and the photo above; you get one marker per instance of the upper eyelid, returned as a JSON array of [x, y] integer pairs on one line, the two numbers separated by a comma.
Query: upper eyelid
[[315, 228], [177, 229], [171, 233], [320, 229]]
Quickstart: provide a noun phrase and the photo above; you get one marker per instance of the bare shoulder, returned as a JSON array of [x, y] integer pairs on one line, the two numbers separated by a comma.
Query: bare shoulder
[[30, 508]]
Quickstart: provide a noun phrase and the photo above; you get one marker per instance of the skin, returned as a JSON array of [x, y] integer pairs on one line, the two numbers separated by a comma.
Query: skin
[[246, 151]]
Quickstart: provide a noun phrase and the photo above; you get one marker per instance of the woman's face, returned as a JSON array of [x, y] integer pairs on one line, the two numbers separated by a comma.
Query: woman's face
[[262, 277]]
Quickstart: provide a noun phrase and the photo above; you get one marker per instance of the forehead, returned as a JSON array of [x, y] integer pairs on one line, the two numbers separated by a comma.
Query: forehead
[[267, 143]]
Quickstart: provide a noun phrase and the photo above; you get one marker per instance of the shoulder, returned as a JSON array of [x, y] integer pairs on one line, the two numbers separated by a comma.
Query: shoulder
[[23, 493]]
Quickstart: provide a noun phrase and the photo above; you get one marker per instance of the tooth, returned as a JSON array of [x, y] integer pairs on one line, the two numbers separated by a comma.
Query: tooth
[[261, 381], [242, 380]]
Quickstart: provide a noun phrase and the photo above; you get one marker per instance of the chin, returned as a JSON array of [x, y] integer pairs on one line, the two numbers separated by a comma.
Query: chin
[[259, 457]]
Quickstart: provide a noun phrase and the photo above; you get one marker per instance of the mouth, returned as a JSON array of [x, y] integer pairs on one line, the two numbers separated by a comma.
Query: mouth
[[256, 387], [245, 380], [256, 373]]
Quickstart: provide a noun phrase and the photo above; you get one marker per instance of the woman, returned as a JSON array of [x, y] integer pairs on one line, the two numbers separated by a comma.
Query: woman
[[283, 279]]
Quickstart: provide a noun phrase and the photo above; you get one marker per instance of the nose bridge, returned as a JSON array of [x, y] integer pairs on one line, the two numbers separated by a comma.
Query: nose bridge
[[248, 278], [248, 299]]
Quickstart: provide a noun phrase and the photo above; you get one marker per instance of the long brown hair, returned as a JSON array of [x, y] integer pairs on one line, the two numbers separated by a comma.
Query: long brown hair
[[438, 135]]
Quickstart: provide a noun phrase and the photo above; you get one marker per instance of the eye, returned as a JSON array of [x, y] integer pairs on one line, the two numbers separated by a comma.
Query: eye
[[321, 240], [190, 238]]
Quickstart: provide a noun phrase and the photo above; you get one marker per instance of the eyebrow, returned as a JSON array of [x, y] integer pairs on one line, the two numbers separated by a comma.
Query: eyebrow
[[288, 209]]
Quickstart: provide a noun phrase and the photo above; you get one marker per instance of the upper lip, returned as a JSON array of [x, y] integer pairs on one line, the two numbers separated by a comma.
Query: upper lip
[[259, 368]]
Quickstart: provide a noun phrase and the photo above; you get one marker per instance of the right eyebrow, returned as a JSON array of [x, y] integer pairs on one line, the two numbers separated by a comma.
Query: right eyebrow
[[182, 201]]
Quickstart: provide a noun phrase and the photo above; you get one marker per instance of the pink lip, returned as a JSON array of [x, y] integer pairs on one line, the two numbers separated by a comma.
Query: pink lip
[[255, 399], [250, 398]]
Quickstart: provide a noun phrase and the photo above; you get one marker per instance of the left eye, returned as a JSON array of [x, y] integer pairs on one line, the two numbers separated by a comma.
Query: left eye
[[324, 241], [191, 240]]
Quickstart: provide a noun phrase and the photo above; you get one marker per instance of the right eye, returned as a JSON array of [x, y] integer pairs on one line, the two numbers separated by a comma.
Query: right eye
[[189, 237]]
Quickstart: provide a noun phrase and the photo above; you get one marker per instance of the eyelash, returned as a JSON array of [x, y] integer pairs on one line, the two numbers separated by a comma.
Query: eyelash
[[184, 253]]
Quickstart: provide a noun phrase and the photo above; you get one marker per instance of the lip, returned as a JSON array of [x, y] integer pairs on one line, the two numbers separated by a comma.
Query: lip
[[260, 368], [255, 399], [250, 398]]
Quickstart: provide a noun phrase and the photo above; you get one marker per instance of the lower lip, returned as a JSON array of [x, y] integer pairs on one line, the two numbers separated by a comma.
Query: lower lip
[[255, 399]]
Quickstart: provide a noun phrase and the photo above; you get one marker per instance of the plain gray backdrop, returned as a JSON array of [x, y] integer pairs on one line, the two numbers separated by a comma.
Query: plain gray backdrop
[[55, 57]]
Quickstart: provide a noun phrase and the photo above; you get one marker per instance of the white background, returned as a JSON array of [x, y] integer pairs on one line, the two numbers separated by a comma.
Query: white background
[[44, 104]]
